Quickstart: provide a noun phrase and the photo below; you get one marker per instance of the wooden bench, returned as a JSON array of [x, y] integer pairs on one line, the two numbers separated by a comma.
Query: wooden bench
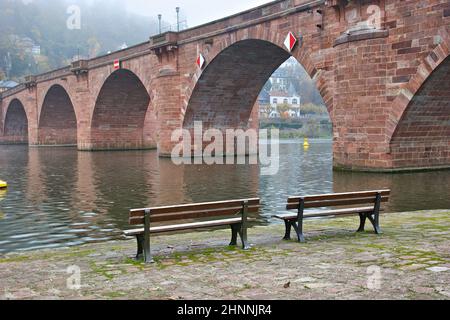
[[366, 204], [225, 213]]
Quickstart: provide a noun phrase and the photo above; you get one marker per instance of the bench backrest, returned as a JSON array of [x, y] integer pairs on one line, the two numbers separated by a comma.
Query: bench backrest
[[194, 211], [338, 199]]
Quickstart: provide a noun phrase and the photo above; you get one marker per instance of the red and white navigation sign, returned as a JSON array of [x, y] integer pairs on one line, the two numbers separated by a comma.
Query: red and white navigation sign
[[116, 64], [200, 61], [290, 41]]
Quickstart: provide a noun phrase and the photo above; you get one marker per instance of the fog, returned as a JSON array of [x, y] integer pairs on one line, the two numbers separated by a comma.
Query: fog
[[196, 12], [40, 35]]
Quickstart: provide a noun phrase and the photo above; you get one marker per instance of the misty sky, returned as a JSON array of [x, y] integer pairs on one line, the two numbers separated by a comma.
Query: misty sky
[[196, 11]]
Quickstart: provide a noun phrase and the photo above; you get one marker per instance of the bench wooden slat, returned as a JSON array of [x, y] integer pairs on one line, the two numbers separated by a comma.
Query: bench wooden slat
[[186, 215], [324, 213], [139, 213], [340, 196], [187, 226], [335, 203], [195, 207]]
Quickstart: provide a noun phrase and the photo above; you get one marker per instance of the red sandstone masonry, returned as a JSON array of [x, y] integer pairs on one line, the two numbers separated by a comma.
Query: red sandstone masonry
[[381, 88], [57, 122]]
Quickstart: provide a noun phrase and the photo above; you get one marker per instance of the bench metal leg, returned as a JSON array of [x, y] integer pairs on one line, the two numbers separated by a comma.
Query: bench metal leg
[[362, 225], [298, 227], [237, 229], [243, 235], [140, 246], [298, 224], [147, 253], [243, 226], [288, 225], [234, 234], [376, 223], [376, 215]]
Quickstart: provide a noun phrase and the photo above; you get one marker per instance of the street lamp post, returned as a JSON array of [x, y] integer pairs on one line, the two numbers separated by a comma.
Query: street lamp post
[[178, 18]]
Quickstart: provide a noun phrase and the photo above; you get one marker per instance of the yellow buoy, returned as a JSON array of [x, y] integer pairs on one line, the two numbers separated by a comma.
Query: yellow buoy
[[3, 185], [306, 143]]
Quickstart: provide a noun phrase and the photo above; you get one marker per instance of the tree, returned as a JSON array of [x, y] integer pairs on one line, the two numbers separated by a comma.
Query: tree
[[105, 26], [314, 109], [312, 128], [282, 108], [267, 109]]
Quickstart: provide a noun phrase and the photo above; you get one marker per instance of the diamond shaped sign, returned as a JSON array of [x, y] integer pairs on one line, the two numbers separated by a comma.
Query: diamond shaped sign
[[290, 41], [200, 61]]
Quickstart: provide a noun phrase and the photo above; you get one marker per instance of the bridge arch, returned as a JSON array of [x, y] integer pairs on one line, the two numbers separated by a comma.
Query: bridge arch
[[226, 91], [57, 121], [422, 136], [301, 53], [119, 113], [421, 127], [223, 95], [15, 129]]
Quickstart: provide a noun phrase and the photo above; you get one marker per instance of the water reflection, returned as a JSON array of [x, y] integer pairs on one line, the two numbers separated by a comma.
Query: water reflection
[[2, 196], [410, 191], [61, 197]]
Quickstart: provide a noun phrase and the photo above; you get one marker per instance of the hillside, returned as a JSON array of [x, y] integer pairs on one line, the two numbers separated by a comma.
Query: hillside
[[40, 35]]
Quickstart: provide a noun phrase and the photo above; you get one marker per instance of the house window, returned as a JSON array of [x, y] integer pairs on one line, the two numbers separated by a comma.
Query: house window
[[286, 101], [294, 101], [275, 100]]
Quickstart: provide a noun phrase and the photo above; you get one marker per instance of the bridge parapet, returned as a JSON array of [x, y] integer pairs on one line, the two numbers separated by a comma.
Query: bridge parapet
[[54, 74], [125, 54], [12, 91], [164, 42], [79, 67]]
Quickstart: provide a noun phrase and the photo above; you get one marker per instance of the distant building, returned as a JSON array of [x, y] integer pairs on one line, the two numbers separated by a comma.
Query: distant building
[[7, 84], [283, 97], [289, 98], [36, 50], [280, 81], [24, 44]]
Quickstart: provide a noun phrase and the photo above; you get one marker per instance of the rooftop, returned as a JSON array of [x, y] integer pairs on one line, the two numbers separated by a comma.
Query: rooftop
[[8, 84], [285, 94]]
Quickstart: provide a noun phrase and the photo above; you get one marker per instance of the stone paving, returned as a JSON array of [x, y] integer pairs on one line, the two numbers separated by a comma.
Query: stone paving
[[411, 260]]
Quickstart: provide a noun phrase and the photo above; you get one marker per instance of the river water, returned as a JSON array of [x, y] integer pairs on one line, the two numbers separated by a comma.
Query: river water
[[61, 197]]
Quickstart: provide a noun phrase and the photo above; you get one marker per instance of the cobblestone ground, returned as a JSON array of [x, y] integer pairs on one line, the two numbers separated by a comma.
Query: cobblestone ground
[[411, 260]]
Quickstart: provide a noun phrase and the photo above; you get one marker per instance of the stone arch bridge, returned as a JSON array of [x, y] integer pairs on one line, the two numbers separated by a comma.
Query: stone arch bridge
[[382, 68]]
